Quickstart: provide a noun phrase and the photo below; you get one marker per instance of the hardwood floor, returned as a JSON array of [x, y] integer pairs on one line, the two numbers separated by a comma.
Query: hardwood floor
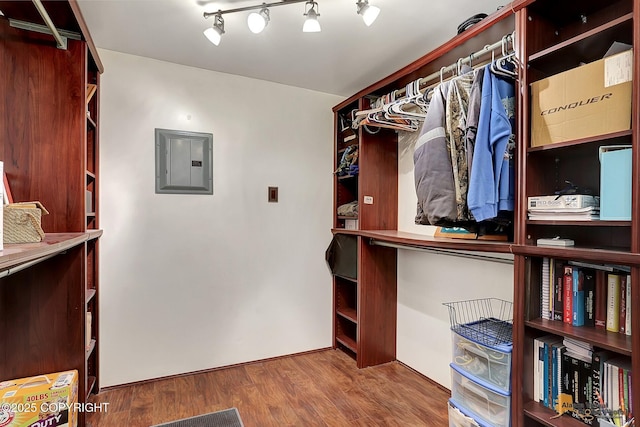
[[316, 389]]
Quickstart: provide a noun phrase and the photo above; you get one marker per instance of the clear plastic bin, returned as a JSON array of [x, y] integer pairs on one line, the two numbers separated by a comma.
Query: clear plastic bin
[[457, 418], [479, 399], [489, 363]]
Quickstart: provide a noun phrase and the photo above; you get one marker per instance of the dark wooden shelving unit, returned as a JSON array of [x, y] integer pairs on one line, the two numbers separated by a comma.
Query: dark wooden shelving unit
[[51, 154], [553, 38], [365, 312]]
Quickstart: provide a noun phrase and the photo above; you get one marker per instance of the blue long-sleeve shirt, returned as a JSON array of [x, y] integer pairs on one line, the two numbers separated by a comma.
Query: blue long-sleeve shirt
[[492, 181]]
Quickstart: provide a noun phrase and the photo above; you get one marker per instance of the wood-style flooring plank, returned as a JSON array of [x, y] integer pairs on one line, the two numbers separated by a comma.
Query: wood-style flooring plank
[[323, 389]]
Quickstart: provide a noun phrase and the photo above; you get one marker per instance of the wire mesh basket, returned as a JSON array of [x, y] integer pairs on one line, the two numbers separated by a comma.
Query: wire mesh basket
[[487, 321]]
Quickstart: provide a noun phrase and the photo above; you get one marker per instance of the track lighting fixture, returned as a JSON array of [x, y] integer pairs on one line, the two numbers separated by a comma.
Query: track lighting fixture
[[311, 24], [257, 21], [215, 32], [369, 13]]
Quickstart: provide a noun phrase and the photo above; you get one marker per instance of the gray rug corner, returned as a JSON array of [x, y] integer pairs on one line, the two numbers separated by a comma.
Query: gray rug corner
[[227, 418]]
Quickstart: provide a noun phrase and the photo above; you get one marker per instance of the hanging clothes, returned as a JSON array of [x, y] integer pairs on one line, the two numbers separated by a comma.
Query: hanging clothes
[[432, 165], [473, 116], [492, 182], [457, 105]]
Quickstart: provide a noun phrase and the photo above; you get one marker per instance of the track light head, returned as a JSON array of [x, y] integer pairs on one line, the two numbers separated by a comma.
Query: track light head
[[369, 13], [257, 21], [215, 32], [311, 24]]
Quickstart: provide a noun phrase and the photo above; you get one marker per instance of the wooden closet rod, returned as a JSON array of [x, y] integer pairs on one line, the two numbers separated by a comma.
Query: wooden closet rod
[[462, 254], [503, 43]]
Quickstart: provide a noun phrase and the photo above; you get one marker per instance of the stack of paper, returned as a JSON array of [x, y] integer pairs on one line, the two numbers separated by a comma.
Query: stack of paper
[[588, 213]]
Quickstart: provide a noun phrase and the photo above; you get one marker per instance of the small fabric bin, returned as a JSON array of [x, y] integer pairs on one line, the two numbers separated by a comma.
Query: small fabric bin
[[22, 222], [479, 399], [489, 363]]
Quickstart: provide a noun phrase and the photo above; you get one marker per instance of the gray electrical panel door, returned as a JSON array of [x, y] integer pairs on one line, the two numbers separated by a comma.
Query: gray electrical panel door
[[184, 162]]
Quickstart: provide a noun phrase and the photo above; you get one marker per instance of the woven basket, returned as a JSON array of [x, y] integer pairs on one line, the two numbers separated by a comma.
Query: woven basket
[[22, 222]]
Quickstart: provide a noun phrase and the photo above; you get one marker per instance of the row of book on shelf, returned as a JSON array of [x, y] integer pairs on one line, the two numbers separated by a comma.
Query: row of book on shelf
[[570, 377], [586, 294]]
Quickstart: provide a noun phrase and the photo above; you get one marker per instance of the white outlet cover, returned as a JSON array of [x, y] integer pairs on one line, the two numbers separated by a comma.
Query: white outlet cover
[[368, 200]]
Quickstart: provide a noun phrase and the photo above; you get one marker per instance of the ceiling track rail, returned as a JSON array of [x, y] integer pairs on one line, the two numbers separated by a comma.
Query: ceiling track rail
[[443, 252], [60, 36]]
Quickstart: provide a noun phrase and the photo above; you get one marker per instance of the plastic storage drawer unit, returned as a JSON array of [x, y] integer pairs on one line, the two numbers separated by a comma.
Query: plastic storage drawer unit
[[479, 399], [489, 363]]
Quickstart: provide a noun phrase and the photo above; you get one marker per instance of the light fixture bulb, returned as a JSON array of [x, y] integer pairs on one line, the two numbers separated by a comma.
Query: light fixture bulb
[[215, 32], [311, 24], [257, 21], [369, 13]]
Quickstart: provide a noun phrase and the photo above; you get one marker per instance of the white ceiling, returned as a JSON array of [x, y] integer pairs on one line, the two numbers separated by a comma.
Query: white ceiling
[[344, 58]]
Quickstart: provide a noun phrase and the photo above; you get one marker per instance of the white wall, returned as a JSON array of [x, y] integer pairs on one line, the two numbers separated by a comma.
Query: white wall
[[425, 281], [195, 282]]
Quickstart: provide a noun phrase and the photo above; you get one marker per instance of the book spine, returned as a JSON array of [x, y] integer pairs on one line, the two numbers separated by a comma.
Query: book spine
[[544, 295], [589, 297], [577, 303], [545, 376], [558, 308], [596, 378], [613, 302], [567, 296], [536, 370], [601, 300], [628, 316], [623, 303]]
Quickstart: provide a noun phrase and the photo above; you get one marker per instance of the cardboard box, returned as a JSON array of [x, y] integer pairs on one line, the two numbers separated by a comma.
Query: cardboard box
[[593, 99], [44, 400], [615, 182]]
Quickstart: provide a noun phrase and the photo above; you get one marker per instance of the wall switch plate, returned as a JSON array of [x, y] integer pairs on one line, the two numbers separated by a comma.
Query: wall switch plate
[[273, 194], [368, 200]]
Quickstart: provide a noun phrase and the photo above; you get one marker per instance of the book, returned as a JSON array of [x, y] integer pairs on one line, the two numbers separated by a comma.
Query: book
[[545, 292], [623, 303], [601, 300], [577, 303], [613, 302], [628, 307], [567, 295], [546, 375], [558, 349], [558, 272], [597, 374], [589, 296]]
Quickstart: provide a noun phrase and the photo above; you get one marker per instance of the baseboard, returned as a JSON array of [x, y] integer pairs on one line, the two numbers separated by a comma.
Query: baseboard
[[203, 371], [440, 386]]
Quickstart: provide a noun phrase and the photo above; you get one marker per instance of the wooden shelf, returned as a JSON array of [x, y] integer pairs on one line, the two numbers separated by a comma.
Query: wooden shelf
[[598, 255], [349, 314], [545, 416], [347, 177], [350, 279], [91, 175], [90, 348], [606, 139], [91, 382], [422, 241], [54, 243], [347, 342], [587, 37], [593, 223], [91, 214], [617, 342], [90, 294]]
